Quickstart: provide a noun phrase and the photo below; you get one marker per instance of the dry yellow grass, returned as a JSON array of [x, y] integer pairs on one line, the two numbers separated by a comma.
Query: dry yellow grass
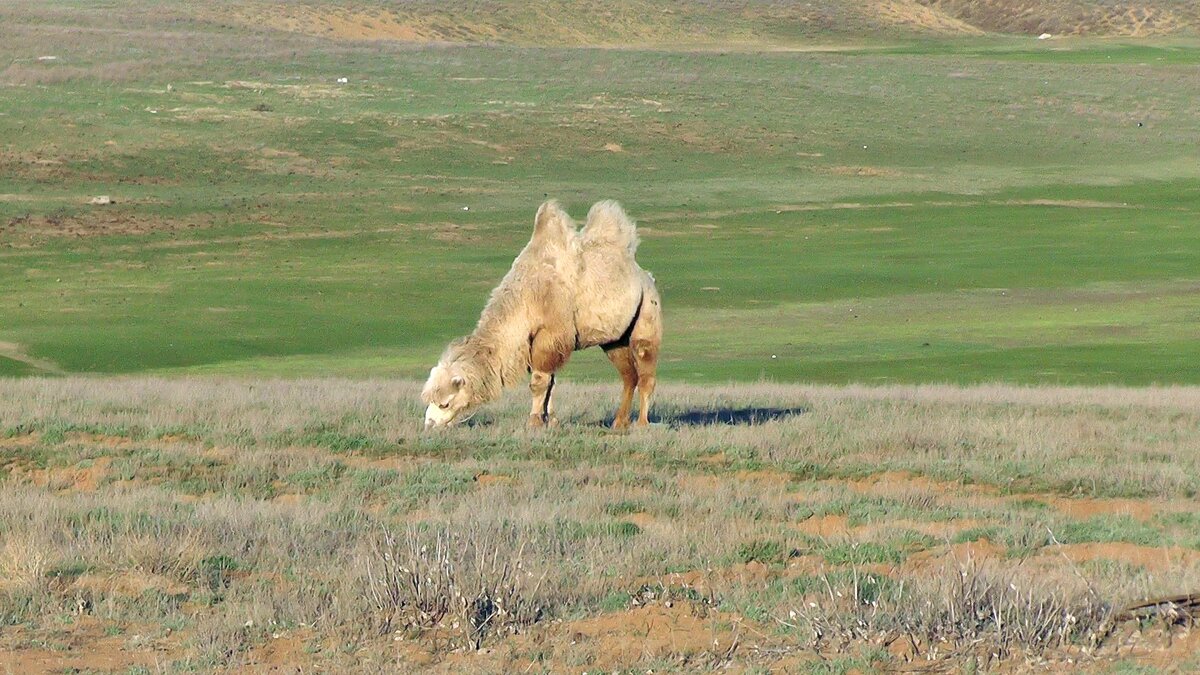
[[309, 523]]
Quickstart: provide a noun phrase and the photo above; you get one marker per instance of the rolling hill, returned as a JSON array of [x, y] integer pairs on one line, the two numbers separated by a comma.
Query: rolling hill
[[699, 22]]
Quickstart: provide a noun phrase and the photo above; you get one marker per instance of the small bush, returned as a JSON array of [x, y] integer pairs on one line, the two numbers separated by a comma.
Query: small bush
[[624, 508], [1109, 529], [864, 553], [216, 572], [476, 581], [764, 551]]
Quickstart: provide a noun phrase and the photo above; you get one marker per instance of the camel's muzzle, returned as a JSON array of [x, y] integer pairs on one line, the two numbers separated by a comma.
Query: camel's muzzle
[[436, 417]]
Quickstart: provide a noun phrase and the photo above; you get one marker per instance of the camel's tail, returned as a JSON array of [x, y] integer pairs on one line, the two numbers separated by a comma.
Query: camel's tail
[[553, 223], [607, 225]]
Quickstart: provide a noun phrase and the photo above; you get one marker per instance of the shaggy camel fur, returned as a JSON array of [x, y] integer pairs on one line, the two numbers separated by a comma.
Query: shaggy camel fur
[[566, 291]]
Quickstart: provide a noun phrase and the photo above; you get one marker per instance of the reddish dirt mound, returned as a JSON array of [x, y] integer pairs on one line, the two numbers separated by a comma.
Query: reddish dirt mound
[[22, 441], [76, 478], [957, 555], [83, 648], [1085, 508], [624, 638], [706, 581], [285, 652], [490, 479], [1156, 559], [824, 526]]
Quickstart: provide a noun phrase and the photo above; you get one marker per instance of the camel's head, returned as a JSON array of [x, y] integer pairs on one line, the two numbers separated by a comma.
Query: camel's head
[[448, 395]]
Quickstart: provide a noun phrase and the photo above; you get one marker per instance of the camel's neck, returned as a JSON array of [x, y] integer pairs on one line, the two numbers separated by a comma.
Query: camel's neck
[[497, 355]]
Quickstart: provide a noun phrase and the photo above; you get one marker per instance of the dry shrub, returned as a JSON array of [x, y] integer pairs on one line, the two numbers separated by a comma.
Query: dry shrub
[[472, 580], [23, 561], [984, 612], [223, 639], [24, 589]]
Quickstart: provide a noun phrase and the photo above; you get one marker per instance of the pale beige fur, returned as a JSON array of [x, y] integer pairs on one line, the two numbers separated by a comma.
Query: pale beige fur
[[566, 290]]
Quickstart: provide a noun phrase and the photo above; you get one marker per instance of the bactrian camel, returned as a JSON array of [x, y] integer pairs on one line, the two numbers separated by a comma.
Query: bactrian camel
[[567, 290]]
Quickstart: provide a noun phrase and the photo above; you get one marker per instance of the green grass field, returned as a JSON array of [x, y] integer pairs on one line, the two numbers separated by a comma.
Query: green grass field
[[951, 210]]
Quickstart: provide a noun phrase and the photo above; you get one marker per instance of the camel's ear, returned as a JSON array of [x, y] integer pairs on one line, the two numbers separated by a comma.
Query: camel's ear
[[458, 381]]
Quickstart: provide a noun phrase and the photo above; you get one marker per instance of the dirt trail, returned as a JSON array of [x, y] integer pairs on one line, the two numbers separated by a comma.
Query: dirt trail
[[15, 352]]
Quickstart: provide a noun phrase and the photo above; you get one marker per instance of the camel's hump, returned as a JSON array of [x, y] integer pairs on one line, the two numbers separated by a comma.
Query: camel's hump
[[608, 225], [552, 222]]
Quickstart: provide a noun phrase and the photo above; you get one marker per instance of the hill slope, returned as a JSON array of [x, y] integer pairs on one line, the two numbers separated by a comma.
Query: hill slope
[[778, 22], [599, 23], [1136, 18]]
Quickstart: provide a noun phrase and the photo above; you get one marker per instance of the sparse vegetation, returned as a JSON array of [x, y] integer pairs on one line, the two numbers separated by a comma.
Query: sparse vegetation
[[492, 548]]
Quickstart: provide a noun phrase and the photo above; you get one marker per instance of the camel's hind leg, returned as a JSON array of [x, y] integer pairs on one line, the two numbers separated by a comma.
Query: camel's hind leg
[[646, 360], [645, 342], [622, 357]]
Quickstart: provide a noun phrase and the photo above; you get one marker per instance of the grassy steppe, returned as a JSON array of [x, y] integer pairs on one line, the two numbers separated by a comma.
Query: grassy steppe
[[955, 210], [842, 199], [199, 524]]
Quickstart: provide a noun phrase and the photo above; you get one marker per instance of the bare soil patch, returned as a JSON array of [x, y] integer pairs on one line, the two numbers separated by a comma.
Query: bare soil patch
[[674, 631], [864, 171], [1085, 507], [954, 556], [20, 441], [1156, 559], [76, 478], [287, 651], [824, 526], [1071, 203], [100, 221], [83, 648], [488, 480]]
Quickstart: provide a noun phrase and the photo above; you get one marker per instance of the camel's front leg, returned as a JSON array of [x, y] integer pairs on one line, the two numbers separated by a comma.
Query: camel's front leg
[[551, 420], [541, 386], [547, 353]]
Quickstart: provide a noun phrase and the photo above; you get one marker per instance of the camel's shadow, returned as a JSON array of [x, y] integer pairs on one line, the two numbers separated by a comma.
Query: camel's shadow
[[675, 419], [720, 417]]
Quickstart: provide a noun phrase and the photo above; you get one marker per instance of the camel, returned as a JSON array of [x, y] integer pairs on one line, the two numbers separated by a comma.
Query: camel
[[567, 290]]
